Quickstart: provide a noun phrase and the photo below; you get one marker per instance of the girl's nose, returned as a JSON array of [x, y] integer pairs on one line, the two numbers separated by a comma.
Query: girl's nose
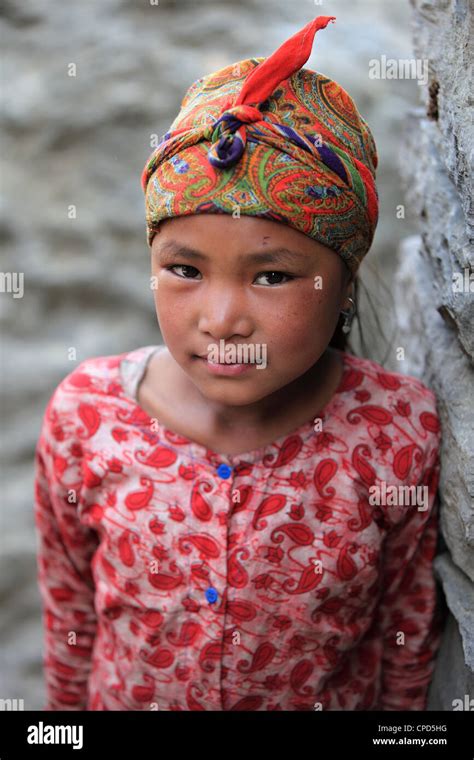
[[223, 313]]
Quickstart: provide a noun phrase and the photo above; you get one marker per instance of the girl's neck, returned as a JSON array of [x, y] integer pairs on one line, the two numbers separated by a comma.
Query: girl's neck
[[295, 401]]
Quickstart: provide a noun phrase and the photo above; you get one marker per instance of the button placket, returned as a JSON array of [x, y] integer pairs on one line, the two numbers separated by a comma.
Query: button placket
[[224, 471]]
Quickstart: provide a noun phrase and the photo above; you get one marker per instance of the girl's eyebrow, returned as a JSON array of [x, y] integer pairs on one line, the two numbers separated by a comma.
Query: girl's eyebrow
[[272, 256]]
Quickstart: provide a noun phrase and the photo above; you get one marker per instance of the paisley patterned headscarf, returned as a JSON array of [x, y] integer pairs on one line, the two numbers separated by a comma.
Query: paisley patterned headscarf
[[268, 138]]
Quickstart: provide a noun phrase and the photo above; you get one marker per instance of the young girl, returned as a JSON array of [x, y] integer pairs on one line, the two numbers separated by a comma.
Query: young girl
[[245, 518]]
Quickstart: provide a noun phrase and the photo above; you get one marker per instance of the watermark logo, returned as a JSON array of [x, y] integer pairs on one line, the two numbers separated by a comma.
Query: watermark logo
[[463, 282], [244, 353], [464, 704], [401, 68], [46, 734], [12, 282], [400, 496], [12, 704]]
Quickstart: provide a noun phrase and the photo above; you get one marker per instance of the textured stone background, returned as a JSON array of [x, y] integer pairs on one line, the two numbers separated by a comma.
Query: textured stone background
[[436, 324], [84, 141]]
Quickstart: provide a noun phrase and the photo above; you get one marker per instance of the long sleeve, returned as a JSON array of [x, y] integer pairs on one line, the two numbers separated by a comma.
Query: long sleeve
[[408, 613], [64, 551]]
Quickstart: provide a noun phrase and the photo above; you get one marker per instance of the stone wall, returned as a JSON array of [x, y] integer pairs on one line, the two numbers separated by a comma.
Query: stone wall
[[436, 312]]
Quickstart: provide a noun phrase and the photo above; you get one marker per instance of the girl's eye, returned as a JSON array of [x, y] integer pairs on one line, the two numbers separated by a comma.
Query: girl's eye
[[187, 267], [276, 274], [183, 266]]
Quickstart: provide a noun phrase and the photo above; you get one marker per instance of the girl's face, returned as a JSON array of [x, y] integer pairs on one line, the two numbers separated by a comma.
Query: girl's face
[[220, 281]]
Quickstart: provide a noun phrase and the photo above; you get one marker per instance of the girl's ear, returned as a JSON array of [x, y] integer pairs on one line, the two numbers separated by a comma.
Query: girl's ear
[[349, 282]]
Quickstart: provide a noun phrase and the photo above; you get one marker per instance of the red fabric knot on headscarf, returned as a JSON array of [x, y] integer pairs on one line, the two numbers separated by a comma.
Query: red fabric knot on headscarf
[[259, 84], [243, 113]]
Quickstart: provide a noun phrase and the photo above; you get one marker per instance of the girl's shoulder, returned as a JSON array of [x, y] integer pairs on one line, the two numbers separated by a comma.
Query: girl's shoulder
[[387, 385], [95, 391], [398, 410], [98, 380]]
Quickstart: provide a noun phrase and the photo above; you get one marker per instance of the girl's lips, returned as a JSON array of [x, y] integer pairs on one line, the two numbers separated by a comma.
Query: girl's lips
[[225, 369]]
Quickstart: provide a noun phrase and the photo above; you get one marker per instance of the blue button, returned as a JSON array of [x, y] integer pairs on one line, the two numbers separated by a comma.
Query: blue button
[[224, 471], [211, 595]]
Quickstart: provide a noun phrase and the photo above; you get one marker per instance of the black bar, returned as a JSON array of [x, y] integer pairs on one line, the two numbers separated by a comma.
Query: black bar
[[304, 734]]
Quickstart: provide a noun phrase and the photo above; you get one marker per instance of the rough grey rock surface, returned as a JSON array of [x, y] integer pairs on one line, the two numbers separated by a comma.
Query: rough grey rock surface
[[451, 679], [435, 322]]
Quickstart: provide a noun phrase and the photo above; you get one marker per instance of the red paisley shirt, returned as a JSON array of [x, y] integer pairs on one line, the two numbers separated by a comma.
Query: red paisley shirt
[[176, 578]]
